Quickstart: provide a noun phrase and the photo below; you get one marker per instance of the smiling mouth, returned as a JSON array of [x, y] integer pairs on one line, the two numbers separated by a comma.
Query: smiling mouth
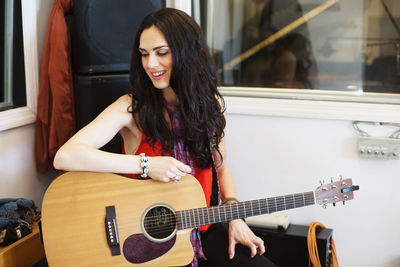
[[158, 75]]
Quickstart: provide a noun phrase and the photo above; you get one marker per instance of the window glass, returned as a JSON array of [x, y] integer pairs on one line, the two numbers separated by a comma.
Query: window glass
[[2, 53], [348, 45], [12, 72]]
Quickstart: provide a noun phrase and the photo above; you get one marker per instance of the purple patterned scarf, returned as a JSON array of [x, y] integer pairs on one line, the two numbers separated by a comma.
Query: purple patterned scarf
[[183, 155]]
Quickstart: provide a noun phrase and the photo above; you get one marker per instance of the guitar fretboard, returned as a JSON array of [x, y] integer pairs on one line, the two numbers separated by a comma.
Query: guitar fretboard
[[209, 215]]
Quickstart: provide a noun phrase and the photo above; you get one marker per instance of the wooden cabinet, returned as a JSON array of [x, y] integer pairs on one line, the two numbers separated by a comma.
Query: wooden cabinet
[[23, 253]]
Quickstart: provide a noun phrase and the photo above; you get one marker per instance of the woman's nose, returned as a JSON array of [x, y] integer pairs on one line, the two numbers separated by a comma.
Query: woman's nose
[[153, 61]]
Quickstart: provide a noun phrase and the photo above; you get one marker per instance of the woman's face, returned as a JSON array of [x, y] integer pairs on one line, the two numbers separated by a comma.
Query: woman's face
[[156, 57]]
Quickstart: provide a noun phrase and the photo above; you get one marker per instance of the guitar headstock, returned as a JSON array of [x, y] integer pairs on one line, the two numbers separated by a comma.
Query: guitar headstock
[[339, 191]]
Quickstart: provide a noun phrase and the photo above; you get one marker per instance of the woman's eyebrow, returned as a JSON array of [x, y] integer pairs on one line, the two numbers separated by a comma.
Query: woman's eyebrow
[[154, 49], [161, 46]]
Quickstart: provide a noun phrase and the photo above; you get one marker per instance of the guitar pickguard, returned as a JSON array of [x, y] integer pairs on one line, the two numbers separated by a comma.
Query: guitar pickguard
[[138, 249]]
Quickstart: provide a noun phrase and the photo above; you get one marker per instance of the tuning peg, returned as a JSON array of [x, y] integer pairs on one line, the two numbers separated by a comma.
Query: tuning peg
[[331, 179], [325, 203], [340, 177], [344, 202], [335, 199], [321, 182]]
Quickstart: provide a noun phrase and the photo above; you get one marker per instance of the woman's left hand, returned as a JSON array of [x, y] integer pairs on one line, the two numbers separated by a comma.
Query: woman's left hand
[[240, 233]]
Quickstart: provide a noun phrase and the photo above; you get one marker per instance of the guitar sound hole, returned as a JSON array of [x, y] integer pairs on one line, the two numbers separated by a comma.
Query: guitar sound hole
[[160, 222]]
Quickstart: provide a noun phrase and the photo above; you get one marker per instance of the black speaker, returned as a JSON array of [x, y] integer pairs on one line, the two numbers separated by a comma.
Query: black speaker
[[93, 93], [103, 32], [288, 248]]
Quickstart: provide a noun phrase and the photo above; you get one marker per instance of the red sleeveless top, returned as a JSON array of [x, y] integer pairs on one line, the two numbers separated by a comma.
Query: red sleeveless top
[[204, 176]]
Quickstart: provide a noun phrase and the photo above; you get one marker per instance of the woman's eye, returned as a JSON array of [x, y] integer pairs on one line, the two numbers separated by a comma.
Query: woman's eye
[[163, 53], [144, 55]]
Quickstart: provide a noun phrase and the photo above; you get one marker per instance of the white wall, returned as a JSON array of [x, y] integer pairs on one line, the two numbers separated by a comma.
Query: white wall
[[273, 156], [18, 176], [269, 156], [17, 167]]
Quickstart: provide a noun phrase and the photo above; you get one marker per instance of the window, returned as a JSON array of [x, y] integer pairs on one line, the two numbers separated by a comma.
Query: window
[[12, 78], [24, 114], [305, 49]]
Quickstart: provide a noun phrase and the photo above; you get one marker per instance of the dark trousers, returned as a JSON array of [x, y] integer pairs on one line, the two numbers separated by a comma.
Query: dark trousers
[[215, 248]]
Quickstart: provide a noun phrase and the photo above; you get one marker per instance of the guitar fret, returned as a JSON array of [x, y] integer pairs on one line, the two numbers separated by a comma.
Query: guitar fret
[[238, 205], [190, 217], [224, 206], [271, 205], [198, 216], [310, 199], [251, 208], [281, 204], [237, 209], [284, 202], [194, 217], [186, 219], [259, 207], [294, 201], [289, 203], [213, 209], [183, 219], [266, 205], [299, 200]]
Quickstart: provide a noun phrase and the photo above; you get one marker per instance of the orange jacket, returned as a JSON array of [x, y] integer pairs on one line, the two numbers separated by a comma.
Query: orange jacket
[[55, 122]]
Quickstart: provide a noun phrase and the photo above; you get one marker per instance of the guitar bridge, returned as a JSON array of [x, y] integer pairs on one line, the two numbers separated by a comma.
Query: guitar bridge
[[112, 231]]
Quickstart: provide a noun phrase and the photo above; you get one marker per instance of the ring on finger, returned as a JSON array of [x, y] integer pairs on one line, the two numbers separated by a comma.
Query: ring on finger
[[176, 178]]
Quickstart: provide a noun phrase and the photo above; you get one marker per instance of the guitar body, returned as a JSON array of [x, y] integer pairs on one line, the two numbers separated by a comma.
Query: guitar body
[[74, 211]]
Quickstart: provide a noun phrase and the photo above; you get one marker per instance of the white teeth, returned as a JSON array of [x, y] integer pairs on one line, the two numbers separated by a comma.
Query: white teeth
[[157, 73]]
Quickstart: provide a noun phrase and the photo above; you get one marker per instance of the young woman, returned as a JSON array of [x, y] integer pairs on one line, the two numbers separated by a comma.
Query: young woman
[[167, 123]]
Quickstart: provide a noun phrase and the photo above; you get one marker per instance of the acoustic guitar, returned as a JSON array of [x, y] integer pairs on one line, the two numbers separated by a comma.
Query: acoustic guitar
[[103, 219]]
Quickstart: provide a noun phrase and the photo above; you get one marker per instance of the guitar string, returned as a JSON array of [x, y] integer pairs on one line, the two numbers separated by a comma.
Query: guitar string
[[166, 228], [280, 203], [194, 221]]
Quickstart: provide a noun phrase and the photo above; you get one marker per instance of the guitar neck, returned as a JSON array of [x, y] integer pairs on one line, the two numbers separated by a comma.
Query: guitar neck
[[209, 215]]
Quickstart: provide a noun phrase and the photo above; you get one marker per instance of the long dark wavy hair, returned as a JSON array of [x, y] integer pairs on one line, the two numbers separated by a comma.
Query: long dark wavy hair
[[194, 81]]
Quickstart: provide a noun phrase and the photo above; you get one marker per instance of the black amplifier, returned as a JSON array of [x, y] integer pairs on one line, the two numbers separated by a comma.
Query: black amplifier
[[288, 248]]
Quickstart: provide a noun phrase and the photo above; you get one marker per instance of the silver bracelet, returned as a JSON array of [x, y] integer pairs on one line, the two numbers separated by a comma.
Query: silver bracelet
[[145, 164]]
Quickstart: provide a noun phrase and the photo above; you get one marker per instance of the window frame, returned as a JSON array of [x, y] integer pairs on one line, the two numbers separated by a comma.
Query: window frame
[[21, 116], [313, 104]]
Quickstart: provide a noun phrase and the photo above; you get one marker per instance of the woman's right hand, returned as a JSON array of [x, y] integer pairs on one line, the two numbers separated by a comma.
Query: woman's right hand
[[165, 169]]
